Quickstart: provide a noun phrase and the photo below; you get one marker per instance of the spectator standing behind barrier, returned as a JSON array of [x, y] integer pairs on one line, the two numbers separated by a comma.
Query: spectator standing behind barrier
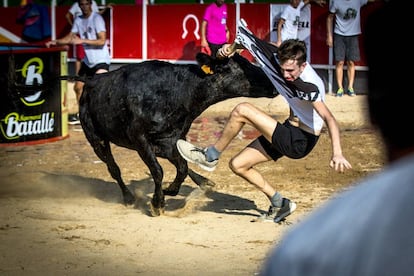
[[343, 37], [214, 31], [368, 230], [72, 13], [288, 24], [88, 29]]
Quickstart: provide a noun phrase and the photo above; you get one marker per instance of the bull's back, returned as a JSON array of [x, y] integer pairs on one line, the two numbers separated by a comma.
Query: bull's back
[[148, 96]]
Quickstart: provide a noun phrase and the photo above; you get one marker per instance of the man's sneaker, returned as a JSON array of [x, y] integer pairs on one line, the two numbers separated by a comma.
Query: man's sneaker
[[351, 92], [195, 155], [276, 214], [73, 119], [340, 92]]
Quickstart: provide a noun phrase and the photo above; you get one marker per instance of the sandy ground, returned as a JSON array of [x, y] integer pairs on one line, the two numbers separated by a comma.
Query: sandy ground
[[62, 212]]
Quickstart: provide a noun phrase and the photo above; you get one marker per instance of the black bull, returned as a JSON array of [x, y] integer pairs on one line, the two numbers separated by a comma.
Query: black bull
[[148, 106]]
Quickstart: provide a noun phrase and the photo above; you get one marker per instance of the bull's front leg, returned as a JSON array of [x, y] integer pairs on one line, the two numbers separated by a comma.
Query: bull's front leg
[[158, 199]]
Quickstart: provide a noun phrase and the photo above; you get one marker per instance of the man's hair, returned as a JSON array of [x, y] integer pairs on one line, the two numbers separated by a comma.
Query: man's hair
[[292, 49], [89, 1]]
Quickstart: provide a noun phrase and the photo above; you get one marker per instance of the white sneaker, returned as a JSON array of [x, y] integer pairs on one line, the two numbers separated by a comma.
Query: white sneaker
[[195, 155]]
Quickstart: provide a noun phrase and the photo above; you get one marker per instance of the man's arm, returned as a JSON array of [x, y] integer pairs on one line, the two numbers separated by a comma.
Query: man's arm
[[68, 39], [329, 29], [279, 31], [69, 18], [204, 42], [100, 41], [338, 161]]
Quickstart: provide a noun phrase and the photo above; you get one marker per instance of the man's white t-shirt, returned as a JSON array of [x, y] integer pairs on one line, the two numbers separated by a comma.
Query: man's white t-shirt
[[88, 28], [347, 16], [291, 16]]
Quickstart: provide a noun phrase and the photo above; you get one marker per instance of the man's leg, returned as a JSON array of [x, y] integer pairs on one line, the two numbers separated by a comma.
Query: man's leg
[[78, 87], [339, 70], [243, 113], [77, 66], [74, 117], [351, 77], [243, 165]]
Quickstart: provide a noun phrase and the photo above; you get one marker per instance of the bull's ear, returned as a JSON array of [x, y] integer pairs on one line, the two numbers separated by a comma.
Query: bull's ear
[[203, 59], [205, 62]]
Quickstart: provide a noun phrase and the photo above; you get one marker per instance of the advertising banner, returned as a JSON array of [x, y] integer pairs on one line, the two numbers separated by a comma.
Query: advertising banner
[[32, 116]]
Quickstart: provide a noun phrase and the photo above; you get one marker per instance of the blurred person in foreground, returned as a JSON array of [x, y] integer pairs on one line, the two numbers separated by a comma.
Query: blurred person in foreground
[[368, 230]]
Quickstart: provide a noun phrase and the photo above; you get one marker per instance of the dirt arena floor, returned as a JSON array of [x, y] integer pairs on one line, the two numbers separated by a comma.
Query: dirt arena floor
[[61, 212]]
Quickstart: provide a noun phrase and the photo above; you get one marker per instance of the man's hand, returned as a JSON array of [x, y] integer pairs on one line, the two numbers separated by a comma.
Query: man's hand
[[228, 50], [76, 40], [320, 2], [339, 163], [51, 43]]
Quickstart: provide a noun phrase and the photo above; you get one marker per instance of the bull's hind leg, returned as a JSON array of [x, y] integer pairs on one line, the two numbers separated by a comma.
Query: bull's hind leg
[[182, 172], [200, 180], [103, 151], [102, 148]]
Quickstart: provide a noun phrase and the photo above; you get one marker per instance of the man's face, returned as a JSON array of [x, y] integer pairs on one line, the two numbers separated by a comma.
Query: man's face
[[291, 70], [85, 6], [295, 3]]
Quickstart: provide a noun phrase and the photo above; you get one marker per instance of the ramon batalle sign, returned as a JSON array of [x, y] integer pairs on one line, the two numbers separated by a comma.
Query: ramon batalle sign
[[25, 114]]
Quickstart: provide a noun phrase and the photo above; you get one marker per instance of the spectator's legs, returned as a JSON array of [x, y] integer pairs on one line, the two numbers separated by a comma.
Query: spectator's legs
[[339, 69], [351, 74]]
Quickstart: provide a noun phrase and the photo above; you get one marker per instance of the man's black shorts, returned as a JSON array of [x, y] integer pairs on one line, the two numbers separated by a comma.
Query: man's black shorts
[[90, 72], [290, 141]]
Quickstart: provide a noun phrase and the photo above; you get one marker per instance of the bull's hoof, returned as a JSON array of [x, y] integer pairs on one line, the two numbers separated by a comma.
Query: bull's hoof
[[129, 199], [206, 185], [156, 212]]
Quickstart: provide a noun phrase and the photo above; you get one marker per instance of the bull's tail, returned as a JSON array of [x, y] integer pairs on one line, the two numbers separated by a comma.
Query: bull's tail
[[24, 90]]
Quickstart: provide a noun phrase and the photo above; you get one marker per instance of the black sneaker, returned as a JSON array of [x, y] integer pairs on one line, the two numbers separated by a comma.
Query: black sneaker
[[276, 214], [73, 119], [288, 207]]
